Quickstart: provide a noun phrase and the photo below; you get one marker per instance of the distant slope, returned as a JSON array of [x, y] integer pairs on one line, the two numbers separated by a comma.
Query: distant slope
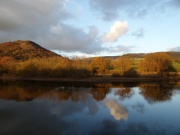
[[174, 55], [24, 50]]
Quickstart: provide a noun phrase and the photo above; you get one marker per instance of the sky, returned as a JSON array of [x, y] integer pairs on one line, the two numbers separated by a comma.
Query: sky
[[85, 28]]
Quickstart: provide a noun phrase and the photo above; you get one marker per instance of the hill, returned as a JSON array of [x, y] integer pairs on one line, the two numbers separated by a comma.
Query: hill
[[174, 55], [28, 59], [24, 50]]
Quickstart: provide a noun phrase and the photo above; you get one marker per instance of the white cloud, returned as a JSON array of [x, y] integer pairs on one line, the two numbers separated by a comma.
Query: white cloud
[[117, 110], [116, 31]]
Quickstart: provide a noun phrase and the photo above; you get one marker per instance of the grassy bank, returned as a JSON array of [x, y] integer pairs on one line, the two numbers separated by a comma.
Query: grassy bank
[[96, 79]]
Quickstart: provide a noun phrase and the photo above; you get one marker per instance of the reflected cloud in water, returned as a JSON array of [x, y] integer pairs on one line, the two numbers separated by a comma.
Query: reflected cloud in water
[[139, 107], [69, 107], [116, 109]]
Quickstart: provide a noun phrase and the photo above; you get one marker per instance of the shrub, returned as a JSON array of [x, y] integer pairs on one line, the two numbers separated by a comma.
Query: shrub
[[115, 75], [130, 73]]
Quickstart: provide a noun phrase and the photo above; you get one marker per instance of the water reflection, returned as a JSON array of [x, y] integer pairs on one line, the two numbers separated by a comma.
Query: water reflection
[[99, 91], [156, 92], [124, 92], [116, 109], [23, 92], [139, 107], [64, 108]]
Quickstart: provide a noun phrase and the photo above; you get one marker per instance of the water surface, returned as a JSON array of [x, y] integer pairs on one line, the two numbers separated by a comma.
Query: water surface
[[35, 108]]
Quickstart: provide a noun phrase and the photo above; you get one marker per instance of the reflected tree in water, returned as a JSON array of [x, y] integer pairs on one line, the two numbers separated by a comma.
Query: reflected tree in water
[[156, 92], [64, 94], [110, 116], [79, 96], [124, 93], [68, 93], [30, 91], [99, 91], [21, 92]]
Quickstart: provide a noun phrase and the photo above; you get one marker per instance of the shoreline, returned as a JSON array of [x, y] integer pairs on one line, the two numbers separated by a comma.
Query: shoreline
[[97, 79]]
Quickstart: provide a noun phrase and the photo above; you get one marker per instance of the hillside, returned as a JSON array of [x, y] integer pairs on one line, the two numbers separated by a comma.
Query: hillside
[[174, 55], [28, 59], [24, 50]]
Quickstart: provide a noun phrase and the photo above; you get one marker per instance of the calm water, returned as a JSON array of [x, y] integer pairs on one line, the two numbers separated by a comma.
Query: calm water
[[33, 108]]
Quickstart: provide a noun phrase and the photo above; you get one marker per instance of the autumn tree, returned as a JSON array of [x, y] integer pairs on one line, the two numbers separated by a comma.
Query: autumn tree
[[123, 63], [50, 67], [80, 63], [156, 62], [7, 65], [99, 65]]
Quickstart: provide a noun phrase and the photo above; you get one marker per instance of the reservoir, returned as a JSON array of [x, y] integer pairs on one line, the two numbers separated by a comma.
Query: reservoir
[[57, 108]]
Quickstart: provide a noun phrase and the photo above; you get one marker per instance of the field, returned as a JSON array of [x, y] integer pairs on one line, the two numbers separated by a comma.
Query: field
[[176, 66]]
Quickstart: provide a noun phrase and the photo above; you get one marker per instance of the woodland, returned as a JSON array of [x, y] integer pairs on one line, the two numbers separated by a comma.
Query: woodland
[[27, 59]]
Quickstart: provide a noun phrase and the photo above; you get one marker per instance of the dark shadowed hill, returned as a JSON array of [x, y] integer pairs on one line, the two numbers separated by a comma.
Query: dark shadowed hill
[[24, 50]]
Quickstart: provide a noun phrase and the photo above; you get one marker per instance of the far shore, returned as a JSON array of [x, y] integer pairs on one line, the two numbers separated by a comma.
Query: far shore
[[96, 79]]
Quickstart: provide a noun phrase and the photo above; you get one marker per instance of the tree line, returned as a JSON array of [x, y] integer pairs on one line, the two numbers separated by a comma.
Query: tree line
[[125, 65]]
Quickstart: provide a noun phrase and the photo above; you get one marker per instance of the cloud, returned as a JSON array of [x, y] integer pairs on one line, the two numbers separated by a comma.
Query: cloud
[[120, 7], [132, 8], [117, 110], [116, 31], [30, 20], [176, 49], [71, 39], [120, 49], [31, 14], [173, 4], [139, 33], [43, 22], [110, 16]]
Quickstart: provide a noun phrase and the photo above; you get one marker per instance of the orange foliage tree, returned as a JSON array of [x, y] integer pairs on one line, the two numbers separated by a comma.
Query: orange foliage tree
[[99, 65], [7, 65], [50, 67], [156, 62], [123, 64]]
